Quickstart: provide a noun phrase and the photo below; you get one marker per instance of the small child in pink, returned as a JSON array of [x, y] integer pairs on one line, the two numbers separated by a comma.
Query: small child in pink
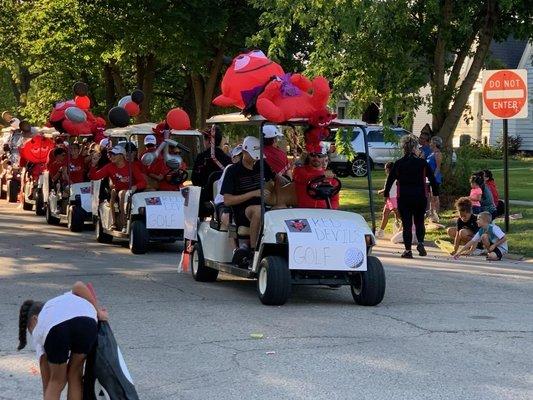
[[475, 193], [391, 204]]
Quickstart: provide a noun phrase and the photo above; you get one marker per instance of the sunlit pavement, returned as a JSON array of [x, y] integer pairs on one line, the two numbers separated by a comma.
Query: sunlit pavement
[[445, 330]]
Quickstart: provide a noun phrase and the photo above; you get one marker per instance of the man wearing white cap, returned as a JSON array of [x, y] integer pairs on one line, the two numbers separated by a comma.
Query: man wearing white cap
[[274, 156], [157, 169], [118, 171], [222, 210], [241, 188]]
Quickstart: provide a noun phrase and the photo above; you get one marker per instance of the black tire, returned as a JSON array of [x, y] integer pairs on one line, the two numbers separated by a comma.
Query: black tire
[[3, 194], [39, 203], [50, 219], [12, 191], [274, 281], [200, 272], [76, 218], [139, 237], [26, 206], [101, 236], [368, 287], [358, 168]]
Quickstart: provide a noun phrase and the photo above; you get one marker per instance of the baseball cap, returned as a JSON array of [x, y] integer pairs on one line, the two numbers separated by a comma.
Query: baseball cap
[[251, 145], [271, 131], [236, 150], [118, 150], [104, 142], [150, 139]]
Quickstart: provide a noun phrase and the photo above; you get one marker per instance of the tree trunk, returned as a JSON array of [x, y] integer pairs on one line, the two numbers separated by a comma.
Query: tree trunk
[[485, 37], [109, 87], [198, 89], [117, 78], [148, 75]]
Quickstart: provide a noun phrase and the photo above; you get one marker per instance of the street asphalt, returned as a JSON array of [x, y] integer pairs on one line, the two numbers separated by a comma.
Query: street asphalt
[[445, 330]]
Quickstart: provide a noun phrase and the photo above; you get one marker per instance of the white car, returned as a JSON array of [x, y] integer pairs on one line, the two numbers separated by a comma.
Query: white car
[[380, 151]]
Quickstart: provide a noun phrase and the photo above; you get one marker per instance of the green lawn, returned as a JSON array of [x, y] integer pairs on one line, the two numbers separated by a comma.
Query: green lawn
[[354, 197]]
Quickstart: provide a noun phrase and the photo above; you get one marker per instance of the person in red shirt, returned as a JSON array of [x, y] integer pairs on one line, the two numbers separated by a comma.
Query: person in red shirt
[[313, 168], [76, 164], [155, 172], [57, 165], [118, 171], [275, 157]]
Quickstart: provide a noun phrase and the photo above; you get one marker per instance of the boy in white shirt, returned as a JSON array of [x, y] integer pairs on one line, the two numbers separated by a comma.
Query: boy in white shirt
[[490, 235]]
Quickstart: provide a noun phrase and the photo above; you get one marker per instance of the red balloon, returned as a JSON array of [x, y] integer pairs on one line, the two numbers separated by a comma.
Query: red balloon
[[178, 119], [36, 149], [76, 128], [83, 102], [132, 108]]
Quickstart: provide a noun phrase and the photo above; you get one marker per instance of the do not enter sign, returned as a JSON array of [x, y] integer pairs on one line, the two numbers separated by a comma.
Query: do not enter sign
[[505, 94]]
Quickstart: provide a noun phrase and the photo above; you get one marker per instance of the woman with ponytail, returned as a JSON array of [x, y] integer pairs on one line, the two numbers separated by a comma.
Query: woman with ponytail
[[62, 331]]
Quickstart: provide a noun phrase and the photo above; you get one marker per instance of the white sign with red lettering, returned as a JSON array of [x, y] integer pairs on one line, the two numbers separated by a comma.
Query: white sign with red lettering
[[505, 94]]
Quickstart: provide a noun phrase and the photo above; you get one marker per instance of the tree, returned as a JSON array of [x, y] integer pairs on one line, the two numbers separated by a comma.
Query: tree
[[385, 51]]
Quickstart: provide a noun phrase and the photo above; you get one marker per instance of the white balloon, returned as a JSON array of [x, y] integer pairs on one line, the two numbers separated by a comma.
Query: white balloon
[[75, 114], [123, 101]]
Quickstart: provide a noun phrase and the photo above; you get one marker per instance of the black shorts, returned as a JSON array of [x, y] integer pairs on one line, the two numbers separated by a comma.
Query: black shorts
[[239, 216], [76, 335], [498, 253]]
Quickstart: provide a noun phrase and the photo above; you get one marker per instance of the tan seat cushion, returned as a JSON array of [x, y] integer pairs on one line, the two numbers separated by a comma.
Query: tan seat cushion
[[243, 231]]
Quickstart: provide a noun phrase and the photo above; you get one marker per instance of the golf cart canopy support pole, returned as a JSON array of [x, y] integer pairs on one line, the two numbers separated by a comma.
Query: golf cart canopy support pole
[[261, 182], [369, 180]]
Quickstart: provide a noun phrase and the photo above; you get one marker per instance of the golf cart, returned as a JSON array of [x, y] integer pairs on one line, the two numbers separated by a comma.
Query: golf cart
[[296, 246], [10, 164], [70, 203], [150, 215], [33, 176]]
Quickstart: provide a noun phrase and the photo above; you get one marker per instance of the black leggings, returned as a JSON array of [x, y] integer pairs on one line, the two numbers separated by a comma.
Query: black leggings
[[412, 209]]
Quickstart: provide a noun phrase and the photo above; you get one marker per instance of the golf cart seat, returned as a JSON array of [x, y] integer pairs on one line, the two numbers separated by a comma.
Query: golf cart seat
[[238, 232], [209, 206]]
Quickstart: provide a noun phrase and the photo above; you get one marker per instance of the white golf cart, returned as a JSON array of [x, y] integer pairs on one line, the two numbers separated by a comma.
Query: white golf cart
[[151, 215], [296, 246], [11, 140], [69, 205], [32, 180]]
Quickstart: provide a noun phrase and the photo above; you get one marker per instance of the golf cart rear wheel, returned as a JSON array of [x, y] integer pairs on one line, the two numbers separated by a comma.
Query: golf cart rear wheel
[[274, 281], [359, 167], [50, 219], [39, 204], [368, 287], [201, 272], [12, 191], [76, 219], [138, 237], [101, 236]]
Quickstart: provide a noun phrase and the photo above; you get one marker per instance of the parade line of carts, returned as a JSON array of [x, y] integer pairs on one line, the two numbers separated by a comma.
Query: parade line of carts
[[296, 246]]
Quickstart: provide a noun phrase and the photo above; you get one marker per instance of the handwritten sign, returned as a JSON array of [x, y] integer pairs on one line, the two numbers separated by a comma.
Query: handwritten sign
[[192, 204], [86, 197], [325, 244], [164, 212]]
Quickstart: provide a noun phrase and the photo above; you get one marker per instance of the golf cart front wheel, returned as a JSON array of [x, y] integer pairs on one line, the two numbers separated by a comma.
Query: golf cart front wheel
[[368, 287], [76, 219], [26, 206], [274, 281], [101, 236], [359, 167], [12, 191], [50, 219], [138, 237], [39, 203], [201, 272]]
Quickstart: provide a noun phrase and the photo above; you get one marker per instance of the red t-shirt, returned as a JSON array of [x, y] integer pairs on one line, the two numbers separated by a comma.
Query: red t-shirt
[[158, 167], [77, 169], [54, 166], [120, 177], [492, 187], [276, 158], [301, 177]]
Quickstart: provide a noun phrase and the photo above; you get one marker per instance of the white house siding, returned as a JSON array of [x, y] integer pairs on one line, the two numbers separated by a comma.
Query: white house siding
[[422, 115], [522, 127]]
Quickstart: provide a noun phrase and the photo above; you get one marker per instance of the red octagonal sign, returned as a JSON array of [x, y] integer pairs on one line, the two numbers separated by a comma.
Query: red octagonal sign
[[505, 94]]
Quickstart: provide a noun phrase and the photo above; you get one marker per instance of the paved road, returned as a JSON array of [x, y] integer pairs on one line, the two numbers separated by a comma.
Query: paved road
[[446, 330]]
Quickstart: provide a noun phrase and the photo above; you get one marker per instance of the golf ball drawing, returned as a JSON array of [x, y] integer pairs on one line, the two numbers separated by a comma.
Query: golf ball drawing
[[353, 258]]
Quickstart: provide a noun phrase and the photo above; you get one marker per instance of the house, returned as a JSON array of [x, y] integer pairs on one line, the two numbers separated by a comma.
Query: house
[[511, 54]]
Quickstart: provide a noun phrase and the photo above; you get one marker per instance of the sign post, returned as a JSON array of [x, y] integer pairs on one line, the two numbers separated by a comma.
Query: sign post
[[505, 97]]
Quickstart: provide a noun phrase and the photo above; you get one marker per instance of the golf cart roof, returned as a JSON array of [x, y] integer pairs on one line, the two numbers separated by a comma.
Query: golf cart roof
[[238, 118], [146, 129]]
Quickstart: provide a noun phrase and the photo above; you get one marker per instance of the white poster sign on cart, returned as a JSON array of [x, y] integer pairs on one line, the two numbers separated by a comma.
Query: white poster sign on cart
[[192, 205], [86, 197], [325, 244], [164, 212]]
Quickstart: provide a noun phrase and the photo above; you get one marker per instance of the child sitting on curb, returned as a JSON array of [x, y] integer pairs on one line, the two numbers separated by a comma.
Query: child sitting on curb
[[493, 238], [466, 225]]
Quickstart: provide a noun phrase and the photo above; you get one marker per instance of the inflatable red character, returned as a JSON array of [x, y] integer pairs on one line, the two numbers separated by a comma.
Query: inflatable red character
[[293, 96], [245, 78], [319, 129]]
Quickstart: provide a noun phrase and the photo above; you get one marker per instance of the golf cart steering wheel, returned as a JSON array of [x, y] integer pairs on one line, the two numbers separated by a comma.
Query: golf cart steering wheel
[[176, 177], [323, 188]]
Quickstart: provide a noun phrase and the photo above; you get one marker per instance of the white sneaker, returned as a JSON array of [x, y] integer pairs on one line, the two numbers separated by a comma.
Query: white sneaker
[[380, 234], [478, 252]]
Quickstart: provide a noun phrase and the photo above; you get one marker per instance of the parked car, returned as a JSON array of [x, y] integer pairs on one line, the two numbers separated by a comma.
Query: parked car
[[379, 150]]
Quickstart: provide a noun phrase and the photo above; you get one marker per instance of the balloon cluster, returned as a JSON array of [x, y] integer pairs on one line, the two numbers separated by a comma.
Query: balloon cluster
[[73, 116], [128, 106]]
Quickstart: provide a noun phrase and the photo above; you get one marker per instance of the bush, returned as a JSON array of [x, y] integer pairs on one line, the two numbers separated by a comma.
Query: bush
[[456, 180], [513, 144], [476, 150]]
